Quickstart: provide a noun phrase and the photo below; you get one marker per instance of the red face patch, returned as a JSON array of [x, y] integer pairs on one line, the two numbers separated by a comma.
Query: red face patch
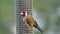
[[24, 14]]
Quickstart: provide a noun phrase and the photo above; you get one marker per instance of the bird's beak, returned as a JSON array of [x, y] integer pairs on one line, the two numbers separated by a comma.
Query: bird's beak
[[21, 13]]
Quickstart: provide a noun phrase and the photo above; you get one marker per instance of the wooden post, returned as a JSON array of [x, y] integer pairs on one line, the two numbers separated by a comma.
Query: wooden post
[[21, 27]]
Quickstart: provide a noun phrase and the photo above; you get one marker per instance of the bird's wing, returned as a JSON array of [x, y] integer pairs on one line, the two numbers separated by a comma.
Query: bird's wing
[[30, 21], [37, 27]]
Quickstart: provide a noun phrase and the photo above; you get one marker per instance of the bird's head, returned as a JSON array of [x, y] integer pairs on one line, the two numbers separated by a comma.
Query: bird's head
[[24, 13]]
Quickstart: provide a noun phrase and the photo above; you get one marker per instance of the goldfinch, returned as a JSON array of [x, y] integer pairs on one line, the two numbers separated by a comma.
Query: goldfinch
[[30, 21]]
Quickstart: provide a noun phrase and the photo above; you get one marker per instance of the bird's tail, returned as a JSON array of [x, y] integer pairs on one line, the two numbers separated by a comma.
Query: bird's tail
[[40, 30], [37, 27]]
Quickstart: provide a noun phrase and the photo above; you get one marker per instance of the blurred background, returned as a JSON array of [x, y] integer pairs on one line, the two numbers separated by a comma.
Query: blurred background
[[46, 13], [7, 17]]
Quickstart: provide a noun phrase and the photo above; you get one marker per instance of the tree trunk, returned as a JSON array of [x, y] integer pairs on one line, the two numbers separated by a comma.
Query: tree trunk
[[21, 27]]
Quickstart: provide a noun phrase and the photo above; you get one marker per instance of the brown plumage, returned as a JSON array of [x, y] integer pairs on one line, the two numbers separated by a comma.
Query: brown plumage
[[29, 20]]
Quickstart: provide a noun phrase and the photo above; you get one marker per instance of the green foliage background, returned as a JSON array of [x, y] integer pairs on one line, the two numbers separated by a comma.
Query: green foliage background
[[7, 16], [49, 10]]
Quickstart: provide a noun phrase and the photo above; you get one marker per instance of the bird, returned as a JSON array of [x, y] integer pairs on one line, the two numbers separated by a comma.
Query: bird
[[30, 21]]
